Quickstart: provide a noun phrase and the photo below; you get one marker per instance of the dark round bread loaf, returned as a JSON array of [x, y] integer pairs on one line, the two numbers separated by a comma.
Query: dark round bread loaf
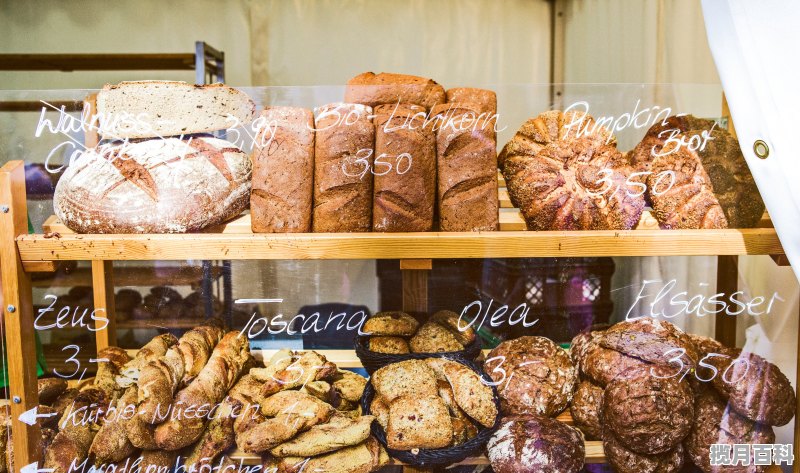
[[714, 423], [535, 444], [166, 293], [602, 365], [585, 409], [579, 345], [126, 299], [756, 389], [625, 460], [535, 376], [649, 339], [565, 180], [647, 410]]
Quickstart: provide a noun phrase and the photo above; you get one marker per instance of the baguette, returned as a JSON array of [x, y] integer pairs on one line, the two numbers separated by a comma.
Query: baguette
[[111, 442], [218, 437], [209, 387], [153, 350], [149, 109], [161, 378]]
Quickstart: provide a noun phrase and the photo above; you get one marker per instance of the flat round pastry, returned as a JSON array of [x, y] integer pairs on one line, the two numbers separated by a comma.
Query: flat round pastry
[[565, 179], [534, 444], [714, 423], [535, 376], [395, 323], [648, 411], [602, 365], [650, 339], [165, 185], [688, 200], [756, 389], [624, 460], [585, 409], [722, 159]]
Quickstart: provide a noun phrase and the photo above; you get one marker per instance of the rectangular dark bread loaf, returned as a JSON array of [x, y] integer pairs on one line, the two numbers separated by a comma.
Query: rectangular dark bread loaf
[[482, 100], [387, 88], [405, 195], [343, 149], [466, 156], [283, 172]]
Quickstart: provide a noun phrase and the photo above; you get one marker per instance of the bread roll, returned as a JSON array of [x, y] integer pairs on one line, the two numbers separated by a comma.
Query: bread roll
[[154, 186], [406, 193], [343, 156], [283, 171], [466, 157], [157, 108], [386, 88], [531, 444]]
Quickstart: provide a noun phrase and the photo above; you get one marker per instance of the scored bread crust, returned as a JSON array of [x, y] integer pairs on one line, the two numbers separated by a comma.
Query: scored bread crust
[[536, 444], [373, 89], [554, 176], [154, 186], [625, 460], [585, 409], [157, 108]]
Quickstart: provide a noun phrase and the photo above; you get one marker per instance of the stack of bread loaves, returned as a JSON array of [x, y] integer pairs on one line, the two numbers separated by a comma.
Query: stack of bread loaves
[[157, 170], [379, 160], [656, 396], [188, 403], [400, 333]]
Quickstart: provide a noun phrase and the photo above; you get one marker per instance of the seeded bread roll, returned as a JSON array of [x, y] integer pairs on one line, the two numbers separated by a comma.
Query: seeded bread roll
[[585, 409], [395, 324], [418, 422], [157, 108], [433, 338], [283, 171], [386, 88], [466, 156], [448, 319], [624, 460], [343, 148], [717, 424], [405, 194], [395, 345], [539, 377], [532, 444], [648, 410], [756, 389]]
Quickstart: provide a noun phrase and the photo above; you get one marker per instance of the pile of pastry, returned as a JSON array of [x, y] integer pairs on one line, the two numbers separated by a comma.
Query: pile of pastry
[[400, 333], [564, 172], [193, 401], [431, 404]]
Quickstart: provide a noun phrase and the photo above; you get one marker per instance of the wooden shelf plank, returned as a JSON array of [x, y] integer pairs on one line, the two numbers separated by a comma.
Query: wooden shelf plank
[[233, 244], [96, 62]]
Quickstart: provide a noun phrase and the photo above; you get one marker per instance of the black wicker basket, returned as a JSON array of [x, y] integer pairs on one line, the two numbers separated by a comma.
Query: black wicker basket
[[372, 360], [438, 457]]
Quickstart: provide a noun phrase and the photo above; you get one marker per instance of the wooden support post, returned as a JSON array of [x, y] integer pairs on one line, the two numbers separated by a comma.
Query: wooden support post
[[92, 135], [727, 283], [415, 284], [103, 287], [17, 313]]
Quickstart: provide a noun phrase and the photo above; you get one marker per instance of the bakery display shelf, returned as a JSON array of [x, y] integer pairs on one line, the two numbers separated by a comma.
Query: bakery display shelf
[[134, 276]]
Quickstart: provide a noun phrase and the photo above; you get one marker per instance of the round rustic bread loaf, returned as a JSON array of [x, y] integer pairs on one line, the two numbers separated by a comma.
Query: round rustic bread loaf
[[649, 410], [756, 389], [535, 376], [554, 174], [722, 160], [154, 186], [649, 339], [534, 444], [579, 345], [714, 423], [602, 365], [585, 408], [625, 460]]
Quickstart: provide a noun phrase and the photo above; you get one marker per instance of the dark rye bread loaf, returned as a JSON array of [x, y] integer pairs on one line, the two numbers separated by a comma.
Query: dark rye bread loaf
[[649, 339], [484, 100], [624, 460], [466, 159], [648, 411], [406, 194], [342, 195], [283, 171], [602, 365], [154, 186], [585, 408], [756, 389], [532, 444], [715, 423], [386, 88], [536, 376]]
